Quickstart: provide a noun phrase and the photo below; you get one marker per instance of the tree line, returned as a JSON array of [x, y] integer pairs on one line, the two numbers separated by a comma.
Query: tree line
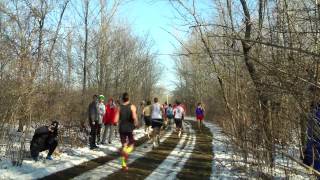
[[54, 55], [255, 64]]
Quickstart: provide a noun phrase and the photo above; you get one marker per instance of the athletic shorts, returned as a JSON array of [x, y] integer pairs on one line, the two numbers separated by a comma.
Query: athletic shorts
[[127, 137], [147, 120], [200, 117], [170, 117], [178, 123], [157, 123]]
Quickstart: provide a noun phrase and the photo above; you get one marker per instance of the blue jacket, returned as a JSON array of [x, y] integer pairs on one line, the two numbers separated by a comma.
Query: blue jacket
[[313, 127], [93, 112]]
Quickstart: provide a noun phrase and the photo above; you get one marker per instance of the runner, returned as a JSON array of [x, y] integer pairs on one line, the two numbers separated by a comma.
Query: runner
[[140, 112], [109, 121], [101, 111], [185, 112], [127, 118], [165, 119], [147, 118], [116, 128], [200, 116], [157, 121], [174, 107], [170, 115], [179, 114]]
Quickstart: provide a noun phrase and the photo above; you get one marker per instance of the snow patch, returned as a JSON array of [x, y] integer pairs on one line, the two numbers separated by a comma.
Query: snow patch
[[225, 158], [66, 159], [115, 165], [221, 169], [175, 161]]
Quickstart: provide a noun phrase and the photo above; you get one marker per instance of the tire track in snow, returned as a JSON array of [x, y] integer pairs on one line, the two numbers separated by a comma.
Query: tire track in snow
[[115, 165], [173, 164], [144, 166], [88, 165], [199, 165]]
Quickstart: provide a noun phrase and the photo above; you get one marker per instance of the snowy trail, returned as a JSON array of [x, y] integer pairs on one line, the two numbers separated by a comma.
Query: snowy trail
[[176, 158], [222, 155], [173, 164], [68, 159], [114, 165]]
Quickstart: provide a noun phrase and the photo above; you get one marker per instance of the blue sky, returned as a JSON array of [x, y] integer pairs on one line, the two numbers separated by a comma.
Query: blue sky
[[152, 17]]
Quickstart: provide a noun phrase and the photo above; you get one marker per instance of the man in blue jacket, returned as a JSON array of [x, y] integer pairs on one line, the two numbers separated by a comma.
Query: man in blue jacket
[[312, 150]]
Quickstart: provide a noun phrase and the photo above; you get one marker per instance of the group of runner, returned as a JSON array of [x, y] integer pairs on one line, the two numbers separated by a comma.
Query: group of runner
[[160, 116], [156, 117]]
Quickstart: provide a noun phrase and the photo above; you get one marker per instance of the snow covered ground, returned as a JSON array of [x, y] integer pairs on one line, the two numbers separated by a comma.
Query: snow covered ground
[[221, 166], [224, 165], [114, 165], [173, 164], [225, 161], [66, 159]]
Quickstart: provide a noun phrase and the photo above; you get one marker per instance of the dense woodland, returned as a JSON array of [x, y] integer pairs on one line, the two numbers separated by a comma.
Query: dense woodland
[[255, 65], [54, 55]]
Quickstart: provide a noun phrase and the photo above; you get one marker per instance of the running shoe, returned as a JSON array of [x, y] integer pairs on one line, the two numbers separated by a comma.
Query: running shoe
[[124, 168], [154, 145], [49, 158]]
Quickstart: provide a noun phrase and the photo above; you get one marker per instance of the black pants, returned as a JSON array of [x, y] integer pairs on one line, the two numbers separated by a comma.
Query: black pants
[[93, 134], [178, 123], [99, 127], [35, 149]]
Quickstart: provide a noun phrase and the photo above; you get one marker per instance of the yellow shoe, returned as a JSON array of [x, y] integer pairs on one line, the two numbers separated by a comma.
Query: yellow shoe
[[123, 162], [128, 149]]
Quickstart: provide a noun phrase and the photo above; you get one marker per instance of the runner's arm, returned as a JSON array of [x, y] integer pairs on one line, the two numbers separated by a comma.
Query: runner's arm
[[183, 113], [162, 111], [116, 118], [134, 115], [143, 111]]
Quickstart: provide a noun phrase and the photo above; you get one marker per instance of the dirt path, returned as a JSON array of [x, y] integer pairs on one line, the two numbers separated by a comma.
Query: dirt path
[[143, 167], [199, 165], [86, 166]]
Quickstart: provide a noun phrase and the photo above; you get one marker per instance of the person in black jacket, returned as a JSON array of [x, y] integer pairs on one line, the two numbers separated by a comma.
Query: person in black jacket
[[44, 138], [93, 121]]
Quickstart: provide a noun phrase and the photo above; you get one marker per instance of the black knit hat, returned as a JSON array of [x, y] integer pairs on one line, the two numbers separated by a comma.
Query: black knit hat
[[55, 124]]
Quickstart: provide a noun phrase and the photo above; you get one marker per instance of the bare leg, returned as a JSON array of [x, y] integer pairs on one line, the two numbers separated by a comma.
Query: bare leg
[[155, 136], [179, 132], [148, 131]]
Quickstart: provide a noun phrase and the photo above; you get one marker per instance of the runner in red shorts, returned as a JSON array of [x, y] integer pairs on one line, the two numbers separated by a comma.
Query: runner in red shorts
[[200, 116]]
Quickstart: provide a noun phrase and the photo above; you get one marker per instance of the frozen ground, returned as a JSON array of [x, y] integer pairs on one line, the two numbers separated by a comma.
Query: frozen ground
[[225, 164], [67, 158]]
